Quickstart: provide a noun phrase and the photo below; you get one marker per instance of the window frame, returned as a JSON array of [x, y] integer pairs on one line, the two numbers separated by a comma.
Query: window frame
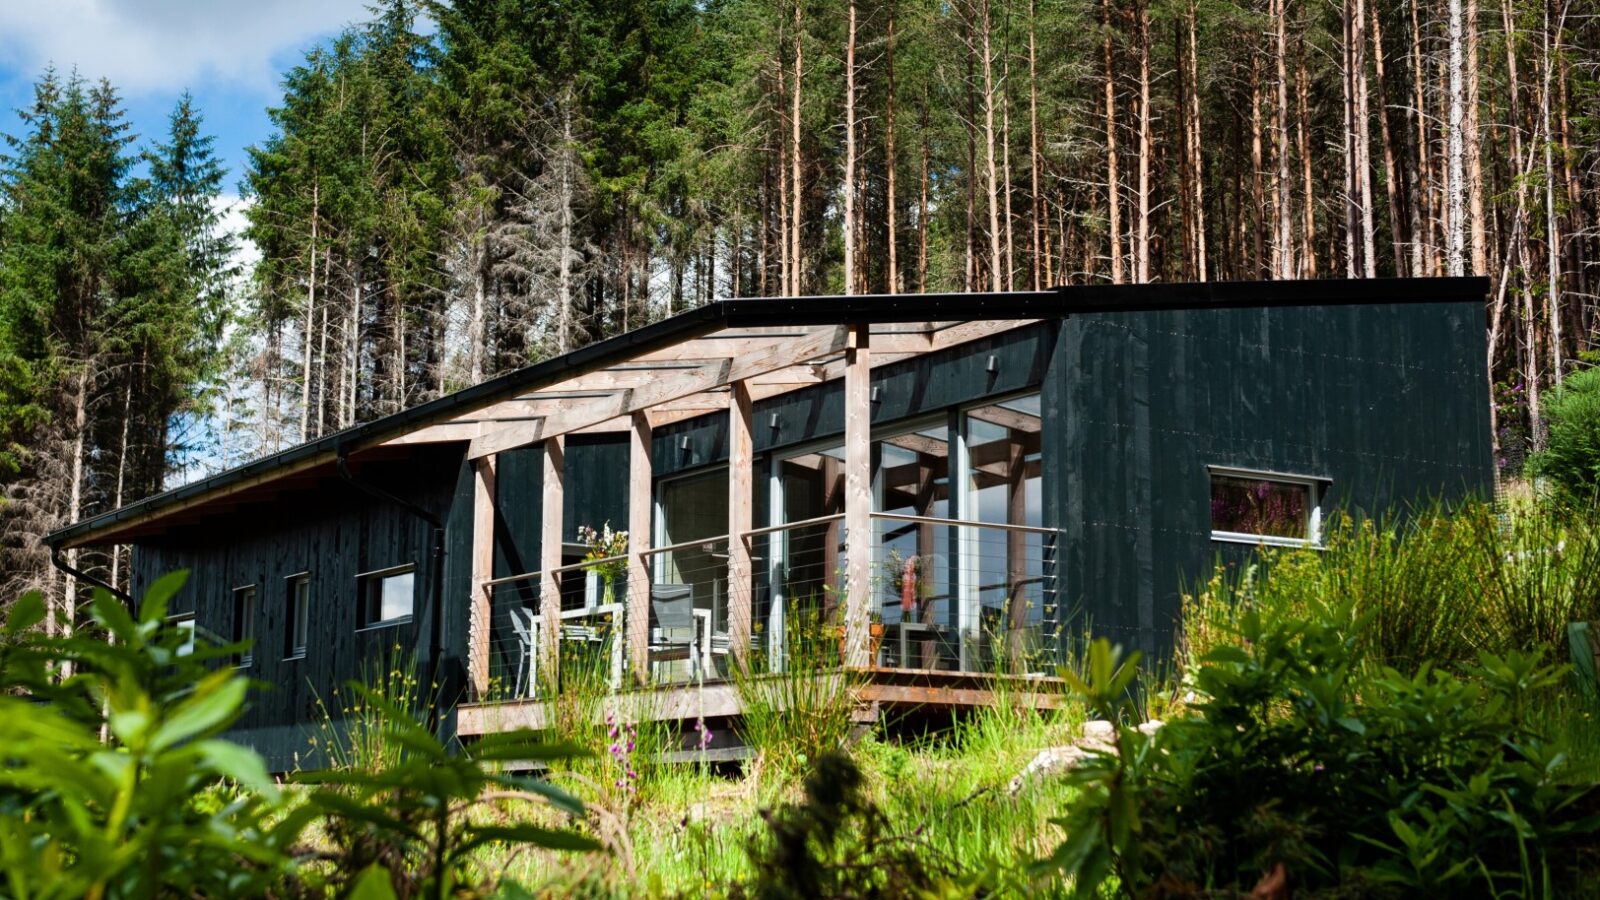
[[297, 621], [1316, 488], [244, 624], [379, 575], [185, 621]]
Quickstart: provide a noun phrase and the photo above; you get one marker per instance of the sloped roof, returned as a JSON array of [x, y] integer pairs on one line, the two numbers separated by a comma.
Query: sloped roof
[[683, 366]]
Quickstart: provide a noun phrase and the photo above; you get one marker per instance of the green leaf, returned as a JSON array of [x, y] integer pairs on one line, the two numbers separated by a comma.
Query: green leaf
[[528, 834], [26, 612], [374, 883], [153, 608], [240, 764], [219, 697]]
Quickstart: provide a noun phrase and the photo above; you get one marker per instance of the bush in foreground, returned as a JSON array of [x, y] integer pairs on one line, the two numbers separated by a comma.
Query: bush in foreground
[[1301, 770], [116, 782]]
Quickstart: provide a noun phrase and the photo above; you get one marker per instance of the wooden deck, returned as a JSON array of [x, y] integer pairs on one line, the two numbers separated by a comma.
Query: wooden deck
[[882, 692]]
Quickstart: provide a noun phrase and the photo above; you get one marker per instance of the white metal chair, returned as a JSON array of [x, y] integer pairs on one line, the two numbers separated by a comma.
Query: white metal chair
[[681, 631], [525, 623]]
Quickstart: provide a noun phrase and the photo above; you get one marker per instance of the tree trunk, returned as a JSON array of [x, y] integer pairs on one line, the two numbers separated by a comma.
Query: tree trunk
[[1113, 201], [311, 308], [889, 163], [1146, 148], [1455, 259], [796, 189], [850, 152], [992, 182], [1036, 218]]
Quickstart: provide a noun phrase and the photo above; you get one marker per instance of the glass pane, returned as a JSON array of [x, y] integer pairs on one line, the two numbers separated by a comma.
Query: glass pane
[[694, 511], [912, 559], [1007, 563], [812, 486], [299, 611], [396, 600], [1260, 506]]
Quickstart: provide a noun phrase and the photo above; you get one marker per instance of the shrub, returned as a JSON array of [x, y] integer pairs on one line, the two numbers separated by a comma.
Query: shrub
[[116, 780], [113, 779], [1570, 459], [1439, 586], [1301, 769]]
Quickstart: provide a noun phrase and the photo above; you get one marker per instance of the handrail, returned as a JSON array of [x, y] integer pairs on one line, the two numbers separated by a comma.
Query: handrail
[[770, 529], [684, 545], [962, 523], [819, 520]]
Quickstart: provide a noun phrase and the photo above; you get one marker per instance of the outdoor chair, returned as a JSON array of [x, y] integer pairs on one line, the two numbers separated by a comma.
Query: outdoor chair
[[681, 631], [525, 624]]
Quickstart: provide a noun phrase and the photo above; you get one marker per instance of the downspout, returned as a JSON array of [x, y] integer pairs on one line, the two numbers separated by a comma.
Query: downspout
[[436, 602], [60, 563]]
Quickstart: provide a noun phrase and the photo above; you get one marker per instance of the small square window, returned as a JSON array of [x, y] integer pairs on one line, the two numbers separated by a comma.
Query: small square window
[[1264, 508], [244, 619], [298, 629], [386, 596]]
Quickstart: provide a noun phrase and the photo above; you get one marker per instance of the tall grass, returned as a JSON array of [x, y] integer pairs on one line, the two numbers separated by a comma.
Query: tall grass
[[1437, 586], [352, 734], [793, 713]]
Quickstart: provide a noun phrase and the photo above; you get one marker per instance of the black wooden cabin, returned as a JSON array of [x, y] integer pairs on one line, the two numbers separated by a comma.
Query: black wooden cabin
[[1022, 466]]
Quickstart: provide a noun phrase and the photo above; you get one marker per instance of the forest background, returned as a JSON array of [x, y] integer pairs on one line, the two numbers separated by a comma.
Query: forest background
[[453, 190]]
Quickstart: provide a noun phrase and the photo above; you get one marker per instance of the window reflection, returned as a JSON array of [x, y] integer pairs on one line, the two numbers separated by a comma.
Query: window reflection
[[1004, 464], [1260, 506]]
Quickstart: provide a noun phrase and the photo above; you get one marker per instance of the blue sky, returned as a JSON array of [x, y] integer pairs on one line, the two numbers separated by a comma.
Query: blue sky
[[228, 53]]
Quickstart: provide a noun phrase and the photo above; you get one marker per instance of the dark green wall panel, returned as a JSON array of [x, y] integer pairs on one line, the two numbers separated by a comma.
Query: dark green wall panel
[[1387, 402]]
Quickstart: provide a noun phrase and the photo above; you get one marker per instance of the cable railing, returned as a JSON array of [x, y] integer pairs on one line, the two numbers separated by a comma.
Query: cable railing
[[945, 595]]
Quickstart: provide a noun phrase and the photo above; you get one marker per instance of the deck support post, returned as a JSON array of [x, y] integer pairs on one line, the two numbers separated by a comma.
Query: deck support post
[[550, 538], [640, 501], [481, 607], [857, 495], [741, 491]]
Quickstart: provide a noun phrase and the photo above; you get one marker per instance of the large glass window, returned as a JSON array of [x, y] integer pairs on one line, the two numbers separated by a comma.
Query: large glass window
[[912, 553], [692, 518], [1004, 566]]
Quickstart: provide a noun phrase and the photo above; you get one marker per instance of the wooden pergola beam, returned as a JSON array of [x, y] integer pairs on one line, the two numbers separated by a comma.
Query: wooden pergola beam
[[780, 355], [550, 537], [480, 618]]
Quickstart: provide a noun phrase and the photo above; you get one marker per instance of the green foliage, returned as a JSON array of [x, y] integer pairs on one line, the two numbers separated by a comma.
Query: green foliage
[[115, 782], [409, 815], [798, 709], [1438, 586], [1570, 460], [1300, 762], [836, 843]]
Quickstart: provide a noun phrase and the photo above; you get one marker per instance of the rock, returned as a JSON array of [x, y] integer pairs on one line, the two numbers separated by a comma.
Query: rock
[[1048, 762], [1099, 730], [1099, 736]]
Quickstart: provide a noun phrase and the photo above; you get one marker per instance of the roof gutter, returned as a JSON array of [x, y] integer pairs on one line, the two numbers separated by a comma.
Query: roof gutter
[[436, 581], [72, 571]]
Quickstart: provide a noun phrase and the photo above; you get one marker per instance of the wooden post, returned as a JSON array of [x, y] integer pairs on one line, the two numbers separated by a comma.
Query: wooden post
[[857, 494], [640, 501], [741, 488], [555, 478], [483, 496]]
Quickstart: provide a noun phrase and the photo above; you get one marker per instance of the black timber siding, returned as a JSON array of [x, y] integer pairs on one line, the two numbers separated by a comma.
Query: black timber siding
[[596, 492], [1388, 402], [335, 532]]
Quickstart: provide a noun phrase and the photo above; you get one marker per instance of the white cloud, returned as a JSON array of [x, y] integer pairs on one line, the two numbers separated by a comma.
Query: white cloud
[[231, 210], [166, 45]]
